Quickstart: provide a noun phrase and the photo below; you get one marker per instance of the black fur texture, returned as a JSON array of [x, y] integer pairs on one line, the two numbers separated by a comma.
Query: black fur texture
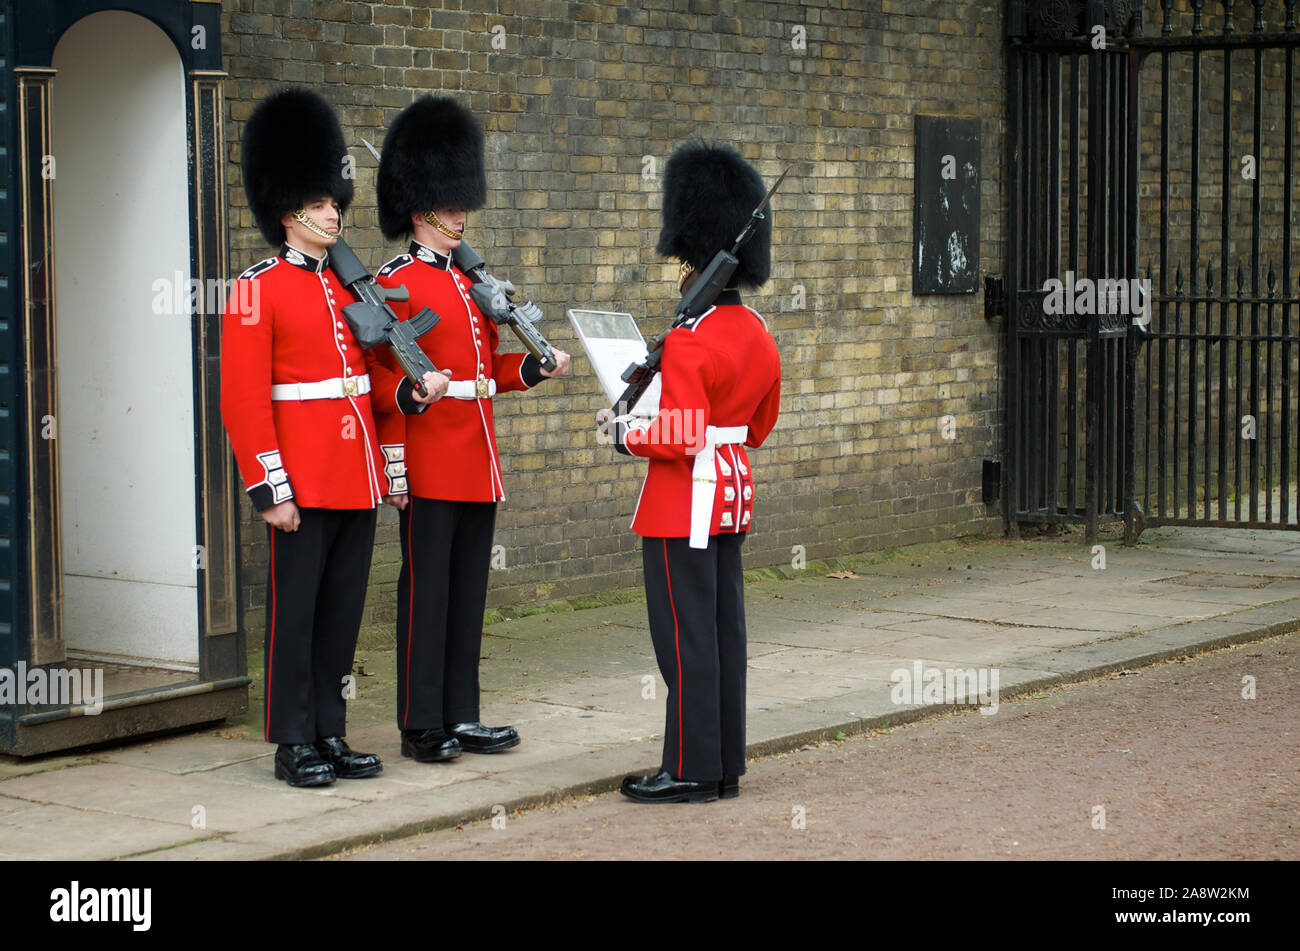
[[709, 194], [293, 153], [432, 158]]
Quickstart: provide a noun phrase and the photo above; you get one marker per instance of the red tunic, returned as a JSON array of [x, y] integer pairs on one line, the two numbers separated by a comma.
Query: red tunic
[[450, 446], [322, 453], [720, 369]]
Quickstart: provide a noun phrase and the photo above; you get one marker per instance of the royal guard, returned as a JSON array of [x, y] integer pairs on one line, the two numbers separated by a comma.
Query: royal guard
[[721, 390], [446, 471], [295, 399]]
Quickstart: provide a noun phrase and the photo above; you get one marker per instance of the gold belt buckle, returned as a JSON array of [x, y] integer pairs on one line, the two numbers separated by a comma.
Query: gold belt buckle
[[481, 389], [350, 387]]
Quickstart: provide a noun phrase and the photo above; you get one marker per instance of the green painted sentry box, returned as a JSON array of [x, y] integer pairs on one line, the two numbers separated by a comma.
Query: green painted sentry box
[[119, 578]]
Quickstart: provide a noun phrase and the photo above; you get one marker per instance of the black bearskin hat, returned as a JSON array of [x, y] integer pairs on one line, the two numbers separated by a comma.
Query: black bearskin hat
[[432, 158], [709, 194], [293, 153]]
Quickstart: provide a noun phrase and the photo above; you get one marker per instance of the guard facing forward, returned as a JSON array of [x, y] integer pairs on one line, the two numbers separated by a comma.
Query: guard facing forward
[[720, 392], [430, 174], [295, 402]]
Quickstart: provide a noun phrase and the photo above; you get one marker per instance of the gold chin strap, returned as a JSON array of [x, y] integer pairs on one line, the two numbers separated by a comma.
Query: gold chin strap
[[432, 218], [685, 270], [300, 216]]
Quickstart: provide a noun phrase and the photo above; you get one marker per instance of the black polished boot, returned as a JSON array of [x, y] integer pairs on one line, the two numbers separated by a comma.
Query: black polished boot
[[663, 787], [477, 738], [300, 765], [429, 746], [346, 763], [729, 788]]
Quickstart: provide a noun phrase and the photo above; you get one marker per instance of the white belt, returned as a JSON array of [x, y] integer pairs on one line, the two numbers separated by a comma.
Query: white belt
[[334, 389], [704, 479], [472, 389]]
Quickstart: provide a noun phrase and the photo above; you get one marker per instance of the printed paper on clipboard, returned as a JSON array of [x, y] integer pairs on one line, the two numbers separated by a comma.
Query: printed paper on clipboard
[[612, 342]]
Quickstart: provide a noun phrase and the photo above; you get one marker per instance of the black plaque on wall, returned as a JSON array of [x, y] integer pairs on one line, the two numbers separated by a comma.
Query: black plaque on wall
[[946, 212]]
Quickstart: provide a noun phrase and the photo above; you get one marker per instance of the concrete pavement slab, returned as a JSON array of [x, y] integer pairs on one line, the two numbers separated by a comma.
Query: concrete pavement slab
[[217, 848], [822, 654], [843, 638], [141, 793], [187, 754], [8, 804], [61, 833], [1079, 618], [1119, 602], [368, 822]]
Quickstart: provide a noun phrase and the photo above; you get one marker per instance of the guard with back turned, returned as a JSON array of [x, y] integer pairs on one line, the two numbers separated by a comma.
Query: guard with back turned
[[721, 392]]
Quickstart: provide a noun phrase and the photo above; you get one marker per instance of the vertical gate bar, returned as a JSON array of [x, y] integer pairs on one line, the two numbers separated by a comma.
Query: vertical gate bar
[[1254, 287], [1097, 149], [1041, 148], [1029, 383], [1072, 346], [1176, 507], [1047, 145], [1132, 338], [1225, 212], [1108, 229], [1105, 222], [1233, 431], [1043, 343], [1288, 151], [1269, 409], [1162, 433], [1015, 148], [1052, 446], [1119, 193], [1194, 254], [1209, 387], [1115, 269]]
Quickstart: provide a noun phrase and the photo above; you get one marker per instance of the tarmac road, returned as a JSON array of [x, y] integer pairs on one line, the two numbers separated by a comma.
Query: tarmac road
[[1164, 762]]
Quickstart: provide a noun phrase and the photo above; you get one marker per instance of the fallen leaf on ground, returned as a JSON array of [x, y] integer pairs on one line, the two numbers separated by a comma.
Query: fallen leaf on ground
[[841, 574]]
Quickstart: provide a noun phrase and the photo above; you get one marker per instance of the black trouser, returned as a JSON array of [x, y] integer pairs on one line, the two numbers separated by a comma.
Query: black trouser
[[315, 593], [696, 601], [441, 593]]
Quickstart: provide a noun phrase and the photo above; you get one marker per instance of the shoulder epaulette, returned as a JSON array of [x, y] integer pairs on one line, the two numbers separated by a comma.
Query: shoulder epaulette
[[693, 322], [261, 267], [395, 265]]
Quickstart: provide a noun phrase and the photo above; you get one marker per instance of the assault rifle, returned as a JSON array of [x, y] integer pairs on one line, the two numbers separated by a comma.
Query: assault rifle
[[373, 321], [713, 280], [495, 299]]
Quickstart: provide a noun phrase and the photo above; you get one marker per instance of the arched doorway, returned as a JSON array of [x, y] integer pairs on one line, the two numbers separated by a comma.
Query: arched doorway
[[125, 379], [118, 498]]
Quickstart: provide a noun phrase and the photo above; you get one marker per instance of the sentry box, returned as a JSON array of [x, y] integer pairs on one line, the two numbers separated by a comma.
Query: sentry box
[[118, 501]]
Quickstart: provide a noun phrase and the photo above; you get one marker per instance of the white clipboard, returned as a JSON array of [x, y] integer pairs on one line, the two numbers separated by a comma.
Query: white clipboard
[[613, 341]]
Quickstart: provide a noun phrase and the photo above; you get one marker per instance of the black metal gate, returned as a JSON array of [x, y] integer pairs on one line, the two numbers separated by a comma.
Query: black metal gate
[[1153, 332]]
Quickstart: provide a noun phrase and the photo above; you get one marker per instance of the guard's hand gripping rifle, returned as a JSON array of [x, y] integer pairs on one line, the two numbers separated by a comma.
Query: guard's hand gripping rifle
[[713, 280], [373, 321], [494, 299]]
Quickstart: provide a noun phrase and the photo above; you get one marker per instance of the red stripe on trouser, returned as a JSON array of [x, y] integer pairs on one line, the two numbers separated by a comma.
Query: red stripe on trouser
[[270, 651], [410, 609], [681, 741]]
